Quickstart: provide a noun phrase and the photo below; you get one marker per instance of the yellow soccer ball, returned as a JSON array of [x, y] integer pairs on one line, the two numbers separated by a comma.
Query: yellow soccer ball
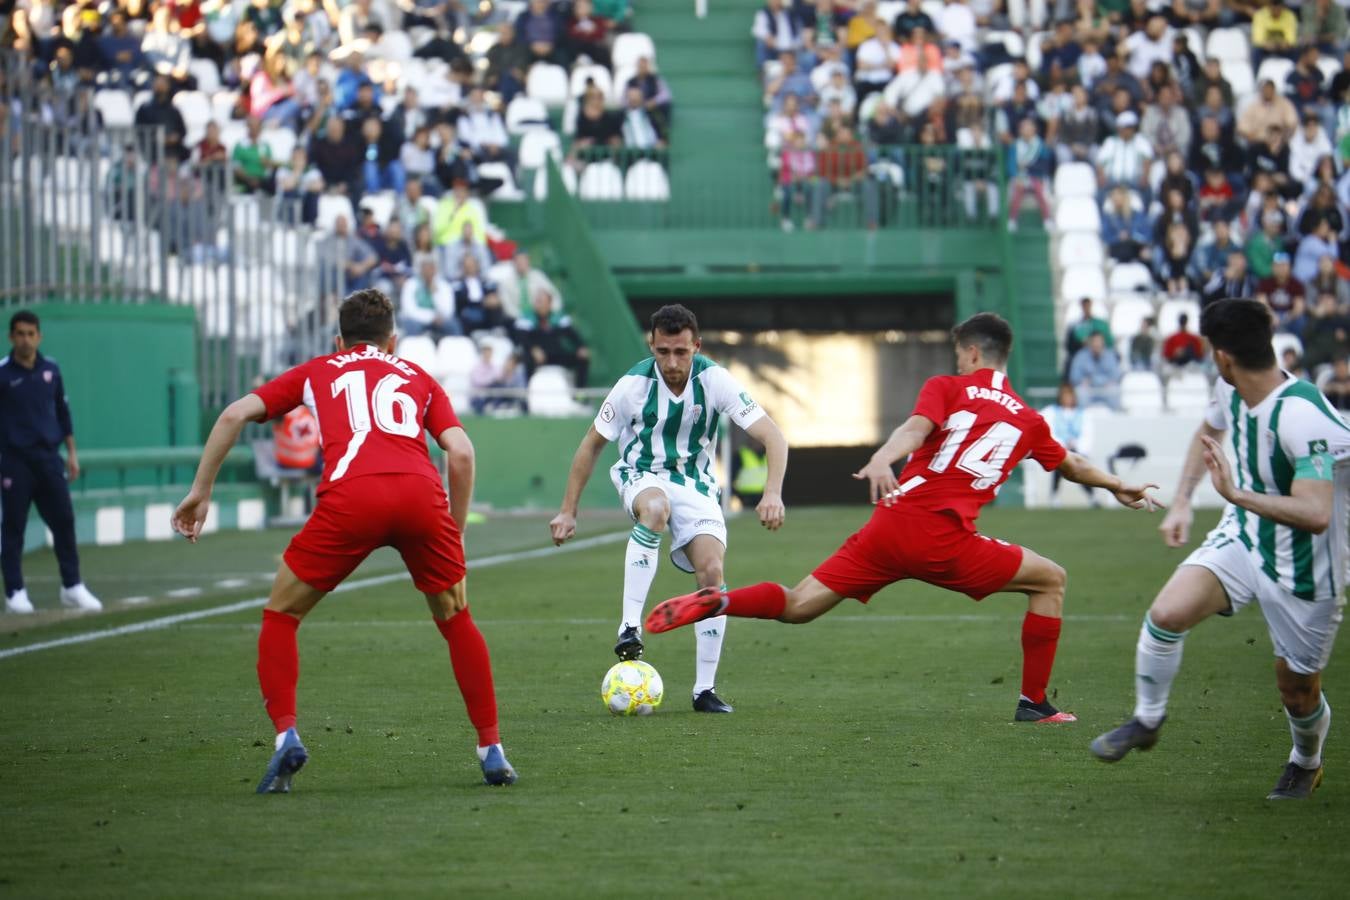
[[632, 688]]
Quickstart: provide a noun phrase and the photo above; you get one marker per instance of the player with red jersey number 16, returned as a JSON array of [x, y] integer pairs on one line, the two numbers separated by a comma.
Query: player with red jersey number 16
[[378, 489], [967, 433]]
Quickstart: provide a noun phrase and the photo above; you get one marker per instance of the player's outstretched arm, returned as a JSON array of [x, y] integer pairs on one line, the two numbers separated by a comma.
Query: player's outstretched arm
[[1135, 496], [190, 515], [460, 463], [771, 509], [881, 484], [1176, 525], [564, 524], [1307, 508]]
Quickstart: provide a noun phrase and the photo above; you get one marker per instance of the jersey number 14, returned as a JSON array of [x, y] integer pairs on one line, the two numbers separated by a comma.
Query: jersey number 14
[[985, 456]]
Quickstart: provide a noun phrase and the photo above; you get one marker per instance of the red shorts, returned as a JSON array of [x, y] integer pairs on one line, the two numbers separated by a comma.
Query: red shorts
[[410, 513], [933, 547]]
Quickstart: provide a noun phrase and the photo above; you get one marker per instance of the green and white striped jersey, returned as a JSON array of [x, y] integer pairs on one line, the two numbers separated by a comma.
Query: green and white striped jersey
[[1293, 434], [668, 436]]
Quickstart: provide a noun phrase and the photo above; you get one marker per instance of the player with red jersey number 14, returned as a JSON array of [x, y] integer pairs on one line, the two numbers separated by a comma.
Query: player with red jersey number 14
[[967, 433], [378, 489]]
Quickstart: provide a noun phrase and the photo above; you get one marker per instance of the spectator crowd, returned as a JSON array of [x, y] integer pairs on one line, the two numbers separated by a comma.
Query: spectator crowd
[[380, 122]]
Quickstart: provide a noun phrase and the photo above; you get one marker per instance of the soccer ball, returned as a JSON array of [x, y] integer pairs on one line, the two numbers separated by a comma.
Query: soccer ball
[[632, 688]]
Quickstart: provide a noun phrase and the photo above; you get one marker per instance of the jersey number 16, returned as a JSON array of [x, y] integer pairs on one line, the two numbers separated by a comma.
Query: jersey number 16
[[385, 399]]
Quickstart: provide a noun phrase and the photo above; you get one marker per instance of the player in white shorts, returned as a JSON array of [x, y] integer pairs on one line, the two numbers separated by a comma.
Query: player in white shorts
[[1281, 543], [665, 414]]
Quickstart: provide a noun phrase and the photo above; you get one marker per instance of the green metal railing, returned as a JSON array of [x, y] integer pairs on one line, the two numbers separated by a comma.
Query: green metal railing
[[871, 187]]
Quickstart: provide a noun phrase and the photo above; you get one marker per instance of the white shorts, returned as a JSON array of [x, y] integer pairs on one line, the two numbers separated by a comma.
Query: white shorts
[[691, 513], [1301, 631]]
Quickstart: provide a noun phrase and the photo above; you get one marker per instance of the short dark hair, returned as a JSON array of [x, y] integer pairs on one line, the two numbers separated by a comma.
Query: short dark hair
[[24, 317], [366, 317], [1243, 329], [987, 331], [672, 319]]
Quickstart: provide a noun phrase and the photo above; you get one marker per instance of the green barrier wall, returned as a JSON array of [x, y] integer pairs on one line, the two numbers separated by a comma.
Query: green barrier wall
[[523, 463], [130, 372]]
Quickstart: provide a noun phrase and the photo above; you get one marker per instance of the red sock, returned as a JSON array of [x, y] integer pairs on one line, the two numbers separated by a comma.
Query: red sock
[[765, 600], [1040, 638], [279, 667], [473, 672]]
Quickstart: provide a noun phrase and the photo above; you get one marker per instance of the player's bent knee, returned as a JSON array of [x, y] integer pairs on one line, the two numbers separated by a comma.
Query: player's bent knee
[[655, 514]]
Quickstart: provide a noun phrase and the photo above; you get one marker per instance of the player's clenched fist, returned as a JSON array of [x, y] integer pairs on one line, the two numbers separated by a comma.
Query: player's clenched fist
[[1176, 525], [771, 511], [563, 528]]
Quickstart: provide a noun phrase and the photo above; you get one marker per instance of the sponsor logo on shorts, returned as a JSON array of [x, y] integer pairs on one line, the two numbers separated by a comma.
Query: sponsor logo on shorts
[[607, 412], [705, 523]]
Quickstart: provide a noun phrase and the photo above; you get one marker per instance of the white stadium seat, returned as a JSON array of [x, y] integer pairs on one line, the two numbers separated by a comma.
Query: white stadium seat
[[1240, 77], [1078, 214], [549, 392], [281, 141], [455, 359], [1228, 44], [222, 105], [525, 114], [536, 146], [598, 74], [420, 350], [1141, 393], [547, 83], [629, 48], [1187, 392], [382, 204], [206, 75], [1130, 277], [1080, 248], [1282, 342], [115, 108], [601, 181], [195, 107], [1011, 41], [1277, 69], [233, 131], [569, 177], [1128, 315], [502, 348], [621, 78], [330, 207], [1075, 180], [1034, 52], [1078, 282], [1330, 66], [1171, 310], [501, 172], [646, 180]]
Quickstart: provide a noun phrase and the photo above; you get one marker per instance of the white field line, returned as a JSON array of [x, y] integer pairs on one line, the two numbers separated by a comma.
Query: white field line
[[863, 619], [254, 603]]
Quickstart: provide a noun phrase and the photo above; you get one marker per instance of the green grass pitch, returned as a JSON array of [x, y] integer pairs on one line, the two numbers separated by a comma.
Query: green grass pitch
[[872, 753]]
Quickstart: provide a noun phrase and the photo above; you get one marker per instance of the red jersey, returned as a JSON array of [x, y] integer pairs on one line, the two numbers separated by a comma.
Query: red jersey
[[372, 409], [983, 431]]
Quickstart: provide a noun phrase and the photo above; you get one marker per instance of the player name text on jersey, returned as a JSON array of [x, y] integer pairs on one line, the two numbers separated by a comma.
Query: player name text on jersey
[[370, 352], [983, 393]]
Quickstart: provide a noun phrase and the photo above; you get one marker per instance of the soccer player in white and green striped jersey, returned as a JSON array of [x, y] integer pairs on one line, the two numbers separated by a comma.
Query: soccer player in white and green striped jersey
[[665, 414], [1282, 541]]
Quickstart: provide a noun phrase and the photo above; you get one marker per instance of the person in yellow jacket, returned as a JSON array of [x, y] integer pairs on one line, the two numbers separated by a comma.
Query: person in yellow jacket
[[455, 208], [752, 474]]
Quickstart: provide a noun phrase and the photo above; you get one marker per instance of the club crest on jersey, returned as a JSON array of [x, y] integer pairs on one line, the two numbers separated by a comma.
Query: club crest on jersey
[[975, 392], [696, 411], [47, 376]]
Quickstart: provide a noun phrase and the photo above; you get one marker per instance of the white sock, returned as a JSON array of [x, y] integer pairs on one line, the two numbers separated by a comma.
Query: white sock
[[1309, 734], [1157, 657], [483, 751], [639, 568], [281, 737], [709, 652]]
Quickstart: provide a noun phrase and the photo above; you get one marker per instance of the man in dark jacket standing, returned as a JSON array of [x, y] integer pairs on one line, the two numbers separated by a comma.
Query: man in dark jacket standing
[[34, 420]]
